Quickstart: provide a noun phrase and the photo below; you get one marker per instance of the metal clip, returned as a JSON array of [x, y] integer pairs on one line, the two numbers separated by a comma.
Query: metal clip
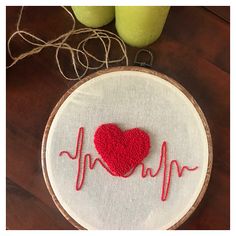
[[147, 63]]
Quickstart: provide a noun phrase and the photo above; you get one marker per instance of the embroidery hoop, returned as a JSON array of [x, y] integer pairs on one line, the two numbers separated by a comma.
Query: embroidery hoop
[[151, 72]]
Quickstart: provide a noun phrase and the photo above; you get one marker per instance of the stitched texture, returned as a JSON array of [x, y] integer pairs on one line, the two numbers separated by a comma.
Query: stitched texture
[[86, 162], [121, 150]]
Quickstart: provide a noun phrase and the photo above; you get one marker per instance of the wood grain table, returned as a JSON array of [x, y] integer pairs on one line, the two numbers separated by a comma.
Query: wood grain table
[[194, 49]]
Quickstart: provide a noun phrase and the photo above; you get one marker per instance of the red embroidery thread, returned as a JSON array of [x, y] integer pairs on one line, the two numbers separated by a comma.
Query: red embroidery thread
[[85, 160], [121, 150]]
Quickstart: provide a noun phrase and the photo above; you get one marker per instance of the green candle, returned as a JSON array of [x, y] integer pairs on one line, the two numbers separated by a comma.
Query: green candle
[[140, 26], [94, 16]]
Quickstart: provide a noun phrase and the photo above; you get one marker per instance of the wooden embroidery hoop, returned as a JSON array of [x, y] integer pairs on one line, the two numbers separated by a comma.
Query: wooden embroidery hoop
[[139, 69]]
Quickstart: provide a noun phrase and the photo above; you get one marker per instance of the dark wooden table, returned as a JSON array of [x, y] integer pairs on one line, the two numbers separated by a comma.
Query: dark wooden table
[[193, 49]]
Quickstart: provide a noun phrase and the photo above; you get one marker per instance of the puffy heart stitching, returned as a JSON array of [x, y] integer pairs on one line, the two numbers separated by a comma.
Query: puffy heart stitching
[[122, 151]]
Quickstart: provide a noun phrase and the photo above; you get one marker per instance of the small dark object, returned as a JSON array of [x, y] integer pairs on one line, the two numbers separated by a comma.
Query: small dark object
[[148, 58]]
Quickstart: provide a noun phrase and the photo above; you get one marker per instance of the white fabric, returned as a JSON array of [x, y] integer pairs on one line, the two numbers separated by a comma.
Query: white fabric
[[129, 99]]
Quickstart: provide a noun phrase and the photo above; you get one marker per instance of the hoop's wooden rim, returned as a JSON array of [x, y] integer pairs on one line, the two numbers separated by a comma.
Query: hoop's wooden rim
[[139, 69]]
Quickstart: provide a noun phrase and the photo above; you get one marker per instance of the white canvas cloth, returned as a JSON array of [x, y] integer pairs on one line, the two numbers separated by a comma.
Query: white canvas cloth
[[129, 99]]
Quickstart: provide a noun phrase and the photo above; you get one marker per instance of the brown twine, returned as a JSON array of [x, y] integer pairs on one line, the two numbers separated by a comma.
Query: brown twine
[[75, 52]]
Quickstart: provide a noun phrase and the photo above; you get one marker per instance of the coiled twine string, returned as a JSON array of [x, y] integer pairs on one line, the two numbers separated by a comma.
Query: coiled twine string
[[106, 38]]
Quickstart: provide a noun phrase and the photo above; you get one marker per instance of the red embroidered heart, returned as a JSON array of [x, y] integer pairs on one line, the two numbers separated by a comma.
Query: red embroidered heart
[[122, 151]]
